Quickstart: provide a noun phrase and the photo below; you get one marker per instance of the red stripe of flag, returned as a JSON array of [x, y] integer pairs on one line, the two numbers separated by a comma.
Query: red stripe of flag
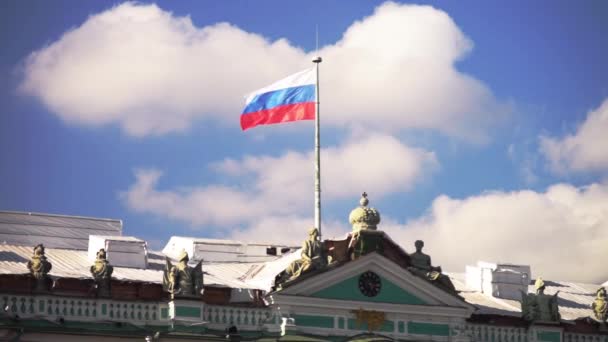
[[286, 113]]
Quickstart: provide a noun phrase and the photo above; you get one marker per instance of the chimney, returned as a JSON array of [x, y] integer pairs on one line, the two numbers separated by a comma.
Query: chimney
[[499, 280], [121, 251]]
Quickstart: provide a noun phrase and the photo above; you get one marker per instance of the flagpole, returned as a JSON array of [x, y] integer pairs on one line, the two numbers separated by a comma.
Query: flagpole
[[317, 60]]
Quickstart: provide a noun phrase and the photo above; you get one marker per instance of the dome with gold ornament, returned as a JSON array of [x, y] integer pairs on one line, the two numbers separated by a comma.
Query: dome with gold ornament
[[364, 217]]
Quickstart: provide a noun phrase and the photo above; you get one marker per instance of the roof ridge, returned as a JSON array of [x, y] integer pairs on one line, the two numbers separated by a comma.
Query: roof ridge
[[30, 213]]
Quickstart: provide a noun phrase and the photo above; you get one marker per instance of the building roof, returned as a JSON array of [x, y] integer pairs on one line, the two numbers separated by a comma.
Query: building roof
[[67, 238], [56, 231], [574, 299], [217, 250], [70, 263]]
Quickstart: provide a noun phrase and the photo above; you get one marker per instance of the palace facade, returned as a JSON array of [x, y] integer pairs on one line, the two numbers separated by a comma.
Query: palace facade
[[65, 278]]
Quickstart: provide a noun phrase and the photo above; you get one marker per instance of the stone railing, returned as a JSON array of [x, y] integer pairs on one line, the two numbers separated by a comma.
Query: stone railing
[[483, 333], [82, 309], [242, 317], [55, 308], [571, 337], [133, 311]]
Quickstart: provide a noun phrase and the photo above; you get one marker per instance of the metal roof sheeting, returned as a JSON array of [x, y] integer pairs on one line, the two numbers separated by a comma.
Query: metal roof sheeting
[[56, 231], [262, 276], [574, 299], [71, 263]]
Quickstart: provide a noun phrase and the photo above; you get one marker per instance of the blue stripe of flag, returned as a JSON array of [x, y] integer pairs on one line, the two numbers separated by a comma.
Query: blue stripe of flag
[[281, 97]]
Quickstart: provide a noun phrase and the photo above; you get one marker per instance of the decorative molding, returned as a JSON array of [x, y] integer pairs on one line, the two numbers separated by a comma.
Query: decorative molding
[[441, 313], [372, 320]]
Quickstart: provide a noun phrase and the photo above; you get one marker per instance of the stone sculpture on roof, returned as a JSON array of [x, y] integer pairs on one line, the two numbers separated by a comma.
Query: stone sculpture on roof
[[539, 306], [313, 257], [421, 266], [364, 217], [102, 274], [599, 305], [39, 268], [182, 280], [365, 237]]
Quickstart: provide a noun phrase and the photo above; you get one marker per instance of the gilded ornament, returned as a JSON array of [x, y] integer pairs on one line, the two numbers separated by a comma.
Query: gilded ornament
[[373, 319]]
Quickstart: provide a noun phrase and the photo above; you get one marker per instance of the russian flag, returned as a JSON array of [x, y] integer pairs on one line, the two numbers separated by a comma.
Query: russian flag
[[290, 99]]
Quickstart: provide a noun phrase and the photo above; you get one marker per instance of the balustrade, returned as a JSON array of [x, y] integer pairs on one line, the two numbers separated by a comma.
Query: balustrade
[[241, 317], [573, 337], [83, 309], [217, 317], [80, 309], [486, 333]]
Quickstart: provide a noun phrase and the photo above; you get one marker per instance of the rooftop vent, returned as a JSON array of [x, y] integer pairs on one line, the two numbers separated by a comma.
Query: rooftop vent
[[499, 280], [121, 251], [216, 250]]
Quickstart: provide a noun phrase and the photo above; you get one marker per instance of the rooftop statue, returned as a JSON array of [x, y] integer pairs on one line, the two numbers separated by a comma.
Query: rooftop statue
[[102, 274], [539, 306], [422, 267], [599, 305], [182, 280], [312, 258], [39, 268]]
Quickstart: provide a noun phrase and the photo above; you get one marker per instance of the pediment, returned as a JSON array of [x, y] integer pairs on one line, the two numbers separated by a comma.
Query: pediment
[[397, 285], [388, 292]]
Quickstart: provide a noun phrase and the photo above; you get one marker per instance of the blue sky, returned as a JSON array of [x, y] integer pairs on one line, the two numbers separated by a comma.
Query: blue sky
[[477, 126]]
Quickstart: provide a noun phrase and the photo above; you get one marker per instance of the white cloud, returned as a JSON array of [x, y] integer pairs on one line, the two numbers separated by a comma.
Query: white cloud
[[379, 163], [152, 72], [561, 233], [585, 150], [287, 230], [526, 159], [395, 69], [201, 205], [283, 185]]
